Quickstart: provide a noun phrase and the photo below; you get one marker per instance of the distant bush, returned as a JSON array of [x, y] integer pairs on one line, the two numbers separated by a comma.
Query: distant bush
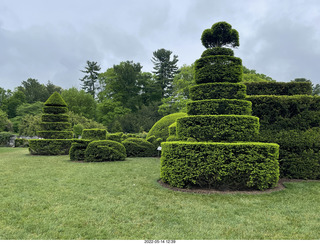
[[138, 147], [21, 142], [5, 138], [94, 134]]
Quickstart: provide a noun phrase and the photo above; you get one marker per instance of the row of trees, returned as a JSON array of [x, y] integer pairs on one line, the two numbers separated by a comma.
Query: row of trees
[[123, 98]]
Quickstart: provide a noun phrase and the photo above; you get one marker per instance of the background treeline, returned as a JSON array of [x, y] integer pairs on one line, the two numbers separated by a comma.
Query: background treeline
[[121, 99]]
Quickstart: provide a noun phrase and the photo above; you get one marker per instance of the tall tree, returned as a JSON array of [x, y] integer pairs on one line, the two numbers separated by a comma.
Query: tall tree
[[34, 91], [91, 78], [165, 69]]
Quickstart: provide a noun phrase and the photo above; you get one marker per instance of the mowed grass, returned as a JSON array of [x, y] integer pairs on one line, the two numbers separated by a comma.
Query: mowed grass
[[50, 197]]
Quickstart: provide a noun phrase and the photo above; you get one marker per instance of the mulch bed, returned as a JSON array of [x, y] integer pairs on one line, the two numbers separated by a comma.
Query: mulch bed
[[279, 187]]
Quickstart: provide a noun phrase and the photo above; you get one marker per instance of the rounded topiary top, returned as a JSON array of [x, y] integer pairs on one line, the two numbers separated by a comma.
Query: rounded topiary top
[[55, 100]]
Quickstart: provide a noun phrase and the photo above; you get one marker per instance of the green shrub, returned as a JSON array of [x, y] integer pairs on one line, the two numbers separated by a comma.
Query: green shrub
[[55, 100], [77, 130], [94, 134], [218, 91], [55, 110], [173, 129], [105, 150], [219, 68], [300, 112], [279, 88], [54, 118], [138, 147], [77, 150], [21, 142], [50, 146], [218, 127], [160, 128], [219, 106], [55, 134], [217, 51], [299, 156], [236, 166], [115, 136], [55, 126], [5, 138]]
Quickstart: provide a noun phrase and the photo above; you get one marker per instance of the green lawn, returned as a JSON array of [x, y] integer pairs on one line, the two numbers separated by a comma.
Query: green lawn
[[53, 198]]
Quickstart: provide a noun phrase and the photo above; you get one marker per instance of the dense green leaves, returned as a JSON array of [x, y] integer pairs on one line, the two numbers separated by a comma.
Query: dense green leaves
[[90, 80]]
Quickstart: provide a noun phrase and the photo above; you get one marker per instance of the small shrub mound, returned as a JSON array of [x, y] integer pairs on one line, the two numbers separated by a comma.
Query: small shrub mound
[[94, 134], [105, 150], [77, 150], [138, 147]]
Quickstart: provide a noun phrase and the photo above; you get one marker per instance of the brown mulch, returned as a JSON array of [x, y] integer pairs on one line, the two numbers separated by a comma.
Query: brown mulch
[[279, 187]]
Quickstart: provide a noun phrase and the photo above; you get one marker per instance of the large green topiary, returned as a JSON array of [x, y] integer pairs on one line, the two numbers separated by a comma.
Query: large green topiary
[[105, 150], [138, 147]]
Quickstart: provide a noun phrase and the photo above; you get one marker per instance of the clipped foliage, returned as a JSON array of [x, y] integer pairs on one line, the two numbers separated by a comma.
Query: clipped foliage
[[55, 110], [279, 88], [55, 134], [77, 150], [50, 146], [286, 112], [236, 166], [21, 142], [55, 126], [173, 129], [105, 150], [138, 147], [219, 106], [218, 91], [115, 136], [94, 134], [55, 100], [217, 51], [219, 68], [218, 127], [160, 128], [54, 118]]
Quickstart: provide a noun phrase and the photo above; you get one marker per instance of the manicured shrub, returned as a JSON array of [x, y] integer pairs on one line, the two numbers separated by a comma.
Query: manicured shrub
[[279, 88], [55, 100], [218, 127], [54, 118], [21, 142], [56, 126], [173, 129], [50, 146], [160, 128], [77, 150], [218, 91], [105, 150], [115, 136], [286, 112], [55, 134], [219, 68], [217, 51], [236, 166], [138, 147], [219, 106], [54, 110], [94, 134], [5, 138]]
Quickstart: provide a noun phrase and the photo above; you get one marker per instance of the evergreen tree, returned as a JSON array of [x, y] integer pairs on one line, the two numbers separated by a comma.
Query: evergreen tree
[[91, 78], [165, 70]]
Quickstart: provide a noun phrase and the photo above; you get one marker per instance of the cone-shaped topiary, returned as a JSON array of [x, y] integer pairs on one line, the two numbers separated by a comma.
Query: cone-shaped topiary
[[214, 148]]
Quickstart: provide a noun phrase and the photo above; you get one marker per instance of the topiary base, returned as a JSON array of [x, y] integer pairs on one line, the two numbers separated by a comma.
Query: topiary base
[[50, 146], [234, 166]]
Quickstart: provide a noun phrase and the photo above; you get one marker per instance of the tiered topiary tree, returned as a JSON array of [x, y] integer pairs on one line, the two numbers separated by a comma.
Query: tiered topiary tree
[[56, 130], [214, 149]]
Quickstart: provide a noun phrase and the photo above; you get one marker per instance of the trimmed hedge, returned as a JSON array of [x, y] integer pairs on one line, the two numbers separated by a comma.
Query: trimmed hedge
[[55, 126], [219, 68], [115, 136], [299, 152], [77, 150], [218, 127], [94, 134], [160, 128], [55, 100], [105, 150], [219, 106], [138, 147], [54, 118], [217, 51], [279, 88], [55, 110], [218, 91], [21, 142], [55, 134], [236, 166], [299, 112], [50, 146]]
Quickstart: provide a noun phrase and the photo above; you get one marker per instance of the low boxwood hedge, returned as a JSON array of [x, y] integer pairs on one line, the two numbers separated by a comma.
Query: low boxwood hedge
[[219, 106], [55, 110], [55, 134], [218, 127], [50, 146], [57, 126], [105, 150], [138, 147], [77, 150], [236, 166], [54, 118], [217, 91], [94, 134]]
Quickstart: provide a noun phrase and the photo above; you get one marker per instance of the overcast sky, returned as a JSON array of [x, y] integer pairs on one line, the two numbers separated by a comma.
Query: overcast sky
[[53, 39]]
